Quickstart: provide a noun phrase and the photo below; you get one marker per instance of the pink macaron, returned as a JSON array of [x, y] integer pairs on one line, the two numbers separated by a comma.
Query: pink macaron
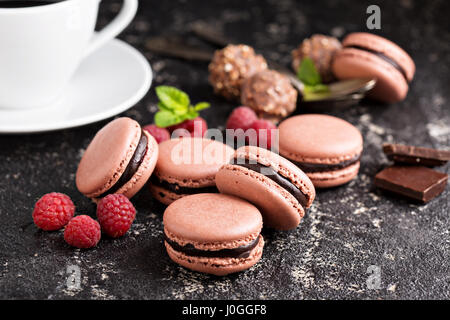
[[365, 55], [119, 159], [213, 233], [326, 148], [277, 187], [187, 166]]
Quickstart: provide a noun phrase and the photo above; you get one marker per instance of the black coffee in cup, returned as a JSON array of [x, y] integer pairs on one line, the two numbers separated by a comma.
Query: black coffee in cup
[[25, 3]]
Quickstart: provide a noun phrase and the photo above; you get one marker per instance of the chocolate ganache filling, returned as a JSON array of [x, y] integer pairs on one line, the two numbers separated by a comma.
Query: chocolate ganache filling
[[385, 58], [239, 252], [323, 167], [177, 189], [272, 174], [132, 167]]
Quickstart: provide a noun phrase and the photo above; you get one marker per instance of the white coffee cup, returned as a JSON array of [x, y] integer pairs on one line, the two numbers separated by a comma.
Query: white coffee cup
[[42, 46]]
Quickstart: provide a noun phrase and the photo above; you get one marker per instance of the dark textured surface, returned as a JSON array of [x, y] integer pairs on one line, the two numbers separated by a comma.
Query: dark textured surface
[[347, 230]]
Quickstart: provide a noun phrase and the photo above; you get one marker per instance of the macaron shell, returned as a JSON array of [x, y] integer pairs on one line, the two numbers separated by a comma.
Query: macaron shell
[[283, 166], [352, 63], [144, 171], [191, 162], [317, 138], [334, 178], [385, 46], [164, 196], [107, 156], [279, 208], [214, 219], [216, 266], [187, 182]]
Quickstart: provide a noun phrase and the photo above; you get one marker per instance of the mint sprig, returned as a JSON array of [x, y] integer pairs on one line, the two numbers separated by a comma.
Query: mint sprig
[[175, 107], [308, 74]]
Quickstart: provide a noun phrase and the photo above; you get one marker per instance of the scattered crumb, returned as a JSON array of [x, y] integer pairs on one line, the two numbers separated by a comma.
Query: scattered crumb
[[376, 222], [101, 294], [440, 131], [360, 210], [337, 31], [389, 256], [392, 287]]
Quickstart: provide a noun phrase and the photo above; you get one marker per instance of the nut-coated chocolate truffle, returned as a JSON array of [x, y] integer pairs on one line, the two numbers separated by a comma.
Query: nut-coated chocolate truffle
[[270, 94], [321, 49], [230, 66]]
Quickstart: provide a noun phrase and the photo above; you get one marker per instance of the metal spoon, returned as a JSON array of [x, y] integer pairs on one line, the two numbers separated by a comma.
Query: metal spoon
[[335, 103]]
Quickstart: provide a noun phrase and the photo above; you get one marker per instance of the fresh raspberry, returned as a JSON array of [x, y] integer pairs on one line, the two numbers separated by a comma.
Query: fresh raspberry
[[160, 134], [115, 214], [53, 211], [196, 127], [241, 118], [266, 131], [82, 232]]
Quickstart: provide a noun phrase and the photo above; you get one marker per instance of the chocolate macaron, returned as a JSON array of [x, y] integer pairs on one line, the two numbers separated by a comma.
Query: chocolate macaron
[[277, 187], [365, 55], [326, 148], [119, 159], [213, 233], [187, 166]]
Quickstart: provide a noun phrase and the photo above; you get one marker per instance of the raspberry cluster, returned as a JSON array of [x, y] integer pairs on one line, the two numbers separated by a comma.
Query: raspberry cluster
[[245, 118], [188, 128], [115, 214]]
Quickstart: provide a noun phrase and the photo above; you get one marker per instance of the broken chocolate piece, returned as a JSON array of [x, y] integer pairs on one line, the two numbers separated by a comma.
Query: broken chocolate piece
[[415, 182], [416, 155]]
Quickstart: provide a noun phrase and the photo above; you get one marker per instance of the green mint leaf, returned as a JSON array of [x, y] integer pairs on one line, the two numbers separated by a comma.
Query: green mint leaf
[[180, 112], [308, 73], [175, 107], [172, 97], [165, 118], [162, 106], [191, 114], [201, 105]]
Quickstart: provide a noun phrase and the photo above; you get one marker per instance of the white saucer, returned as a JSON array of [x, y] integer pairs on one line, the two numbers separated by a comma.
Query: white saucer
[[108, 82]]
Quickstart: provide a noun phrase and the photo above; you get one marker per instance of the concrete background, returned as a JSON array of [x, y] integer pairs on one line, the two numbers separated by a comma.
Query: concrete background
[[347, 230]]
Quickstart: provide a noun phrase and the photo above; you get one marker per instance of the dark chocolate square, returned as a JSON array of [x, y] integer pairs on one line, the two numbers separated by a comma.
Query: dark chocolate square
[[415, 182], [416, 155]]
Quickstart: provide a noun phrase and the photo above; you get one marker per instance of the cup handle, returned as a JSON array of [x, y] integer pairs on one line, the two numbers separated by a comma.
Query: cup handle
[[120, 22]]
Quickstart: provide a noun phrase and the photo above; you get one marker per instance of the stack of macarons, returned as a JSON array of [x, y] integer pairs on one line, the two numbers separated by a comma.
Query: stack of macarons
[[219, 233], [366, 55], [276, 186], [219, 198], [360, 55], [213, 233], [326, 148]]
